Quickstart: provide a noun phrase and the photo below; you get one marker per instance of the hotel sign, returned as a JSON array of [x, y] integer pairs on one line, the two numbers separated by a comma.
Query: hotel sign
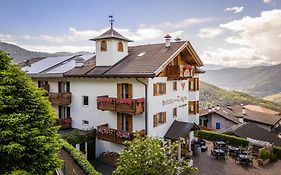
[[171, 101]]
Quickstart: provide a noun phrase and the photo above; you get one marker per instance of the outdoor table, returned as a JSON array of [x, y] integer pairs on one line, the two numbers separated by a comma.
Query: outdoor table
[[233, 150], [219, 153], [244, 159]]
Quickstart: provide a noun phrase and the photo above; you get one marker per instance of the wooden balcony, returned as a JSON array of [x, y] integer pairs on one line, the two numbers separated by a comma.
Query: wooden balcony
[[65, 123], [60, 98], [113, 135], [130, 106], [46, 87], [177, 72]]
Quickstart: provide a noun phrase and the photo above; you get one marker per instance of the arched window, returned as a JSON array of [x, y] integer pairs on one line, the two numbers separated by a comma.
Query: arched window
[[120, 46], [103, 46]]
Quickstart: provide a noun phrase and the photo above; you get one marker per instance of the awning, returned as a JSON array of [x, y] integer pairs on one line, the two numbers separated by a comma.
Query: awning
[[180, 129]]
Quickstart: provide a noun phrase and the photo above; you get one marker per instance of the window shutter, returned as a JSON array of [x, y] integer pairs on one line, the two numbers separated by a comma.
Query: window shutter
[[119, 121], [197, 84], [130, 122], [130, 91], [154, 89], [68, 86], [119, 90], [164, 117], [154, 120], [164, 88]]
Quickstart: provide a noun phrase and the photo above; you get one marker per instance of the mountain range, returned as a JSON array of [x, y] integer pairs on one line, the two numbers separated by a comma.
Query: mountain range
[[259, 81], [19, 54]]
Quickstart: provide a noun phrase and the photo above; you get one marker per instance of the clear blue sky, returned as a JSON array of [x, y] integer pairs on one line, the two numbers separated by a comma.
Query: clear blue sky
[[58, 24]]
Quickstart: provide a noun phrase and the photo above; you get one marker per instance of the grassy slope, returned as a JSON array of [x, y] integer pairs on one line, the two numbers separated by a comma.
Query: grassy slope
[[212, 95], [274, 97]]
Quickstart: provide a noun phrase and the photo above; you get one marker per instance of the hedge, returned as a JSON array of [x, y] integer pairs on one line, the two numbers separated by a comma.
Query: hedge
[[213, 136], [79, 158], [277, 151]]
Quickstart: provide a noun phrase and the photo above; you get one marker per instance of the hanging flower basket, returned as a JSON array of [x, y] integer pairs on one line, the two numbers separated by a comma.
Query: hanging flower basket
[[124, 101], [189, 67], [105, 100]]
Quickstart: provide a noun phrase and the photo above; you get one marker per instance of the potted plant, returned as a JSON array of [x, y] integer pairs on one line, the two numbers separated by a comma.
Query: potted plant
[[264, 157]]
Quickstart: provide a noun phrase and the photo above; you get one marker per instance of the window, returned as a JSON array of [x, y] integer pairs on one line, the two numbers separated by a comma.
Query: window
[[124, 122], [85, 122], [64, 112], [120, 46], [193, 107], [218, 125], [63, 87], [85, 100], [103, 46], [175, 112], [159, 89], [175, 84], [193, 84], [159, 119], [42, 83]]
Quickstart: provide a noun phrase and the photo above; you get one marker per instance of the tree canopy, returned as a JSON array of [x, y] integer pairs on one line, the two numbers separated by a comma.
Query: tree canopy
[[148, 156], [28, 137]]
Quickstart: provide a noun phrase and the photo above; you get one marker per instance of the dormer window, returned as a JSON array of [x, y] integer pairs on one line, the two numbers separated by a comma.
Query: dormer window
[[120, 47], [103, 46]]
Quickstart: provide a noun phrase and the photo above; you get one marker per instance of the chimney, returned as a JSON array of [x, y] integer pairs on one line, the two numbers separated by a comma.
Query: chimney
[[168, 40], [241, 119], [209, 109], [79, 61], [213, 108], [243, 110], [27, 63], [218, 107], [177, 39], [228, 107]]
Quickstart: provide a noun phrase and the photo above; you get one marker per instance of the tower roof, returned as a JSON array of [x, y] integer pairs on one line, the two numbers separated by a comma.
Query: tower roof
[[111, 33]]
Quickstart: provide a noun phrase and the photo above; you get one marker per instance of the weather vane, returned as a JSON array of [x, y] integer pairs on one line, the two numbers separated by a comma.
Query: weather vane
[[111, 20]]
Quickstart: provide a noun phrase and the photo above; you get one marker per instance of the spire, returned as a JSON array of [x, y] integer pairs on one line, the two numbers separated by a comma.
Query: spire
[[111, 20]]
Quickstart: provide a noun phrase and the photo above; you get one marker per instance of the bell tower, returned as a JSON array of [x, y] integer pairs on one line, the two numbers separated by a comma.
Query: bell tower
[[111, 46]]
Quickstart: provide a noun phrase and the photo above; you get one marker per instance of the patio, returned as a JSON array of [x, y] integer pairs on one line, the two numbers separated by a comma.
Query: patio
[[208, 165]]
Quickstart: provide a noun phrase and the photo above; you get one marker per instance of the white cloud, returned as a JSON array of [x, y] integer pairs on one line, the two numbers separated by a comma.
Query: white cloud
[[59, 48], [255, 39], [209, 32], [234, 9], [183, 23], [266, 1], [7, 38]]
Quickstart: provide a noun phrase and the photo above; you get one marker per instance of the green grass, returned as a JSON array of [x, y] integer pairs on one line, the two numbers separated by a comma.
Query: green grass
[[274, 98], [212, 95]]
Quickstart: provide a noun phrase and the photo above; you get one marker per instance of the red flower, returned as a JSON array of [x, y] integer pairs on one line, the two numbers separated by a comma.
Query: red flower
[[141, 100], [124, 101], [188, 67], [105, 100]]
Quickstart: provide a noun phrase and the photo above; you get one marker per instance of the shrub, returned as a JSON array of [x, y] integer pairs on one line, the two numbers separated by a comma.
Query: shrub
[[273, 157], [213, 136], [277, 151], [264, 154], [79, 158]]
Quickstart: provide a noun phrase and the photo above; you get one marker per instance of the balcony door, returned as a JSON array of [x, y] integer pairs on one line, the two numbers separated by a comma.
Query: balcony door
[[63, 87], [124, 90], [124, 122]]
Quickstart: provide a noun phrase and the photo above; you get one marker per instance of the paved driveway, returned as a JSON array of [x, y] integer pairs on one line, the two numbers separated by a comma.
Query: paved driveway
[[208, 165]]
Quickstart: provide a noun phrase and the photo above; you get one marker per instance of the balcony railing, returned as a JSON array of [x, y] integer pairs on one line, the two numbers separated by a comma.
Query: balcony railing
[[113, 135], [60, 98], [124, 105], [46, 87], [65, 123], [177, 72]]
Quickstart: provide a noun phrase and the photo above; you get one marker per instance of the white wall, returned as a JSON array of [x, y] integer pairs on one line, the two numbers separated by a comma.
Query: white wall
[[155, 105], [111, 56], [223, 122], [104, 146]]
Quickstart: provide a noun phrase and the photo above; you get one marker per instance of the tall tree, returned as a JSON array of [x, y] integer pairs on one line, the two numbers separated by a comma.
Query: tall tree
[[28, 137], [148, 156]]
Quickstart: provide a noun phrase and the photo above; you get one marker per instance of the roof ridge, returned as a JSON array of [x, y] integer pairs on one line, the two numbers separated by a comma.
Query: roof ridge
[[183, 41]]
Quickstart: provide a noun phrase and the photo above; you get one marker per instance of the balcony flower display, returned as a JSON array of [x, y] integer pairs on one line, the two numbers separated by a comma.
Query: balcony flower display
[[187, 67], [124, 101], [140, 100], [105, 130], [123, 134], [105, 100]]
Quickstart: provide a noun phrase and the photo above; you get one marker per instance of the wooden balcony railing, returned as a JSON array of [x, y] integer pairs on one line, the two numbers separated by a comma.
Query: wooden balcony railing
[[60, 98], [65, 123], [124, 105], [177, 72], [113, 135], [46, 87]]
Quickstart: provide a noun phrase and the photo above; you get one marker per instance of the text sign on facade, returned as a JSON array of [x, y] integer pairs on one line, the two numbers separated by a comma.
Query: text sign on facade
[[171, 101]]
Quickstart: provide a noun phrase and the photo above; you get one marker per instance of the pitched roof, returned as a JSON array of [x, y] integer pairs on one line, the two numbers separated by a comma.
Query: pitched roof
[[235, 111], [261, 109], [141, 61], [253, 131], [111, 33], [179, 129]]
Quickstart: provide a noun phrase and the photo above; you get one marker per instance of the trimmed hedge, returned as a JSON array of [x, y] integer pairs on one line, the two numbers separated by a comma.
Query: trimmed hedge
[[79, 158], [213, 136], [277, 151]]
